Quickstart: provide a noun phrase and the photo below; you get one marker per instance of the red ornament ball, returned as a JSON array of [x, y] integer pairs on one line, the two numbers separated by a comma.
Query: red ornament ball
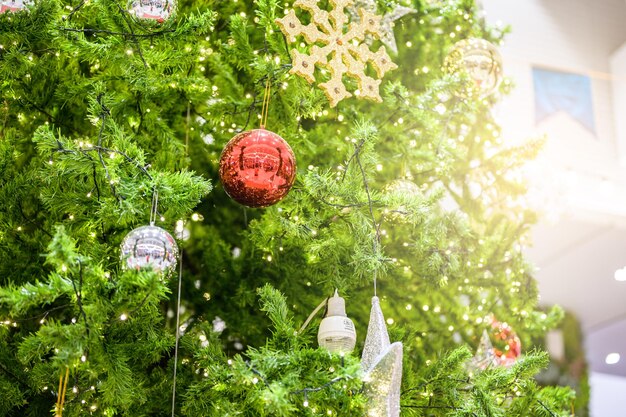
[[257, 168], [513, 347]]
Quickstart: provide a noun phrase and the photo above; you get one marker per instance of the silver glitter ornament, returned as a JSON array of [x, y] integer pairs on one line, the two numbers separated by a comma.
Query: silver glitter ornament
[[485, 356], [149, 247], [388, 38], [382, 365]]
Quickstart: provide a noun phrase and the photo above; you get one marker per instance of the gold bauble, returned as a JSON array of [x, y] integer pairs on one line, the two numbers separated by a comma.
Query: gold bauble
[[480, 60]]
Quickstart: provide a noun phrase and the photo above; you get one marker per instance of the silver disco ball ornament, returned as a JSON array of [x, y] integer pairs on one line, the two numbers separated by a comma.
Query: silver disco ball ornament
[[149, 247], [14, 5], [481, 61], [157, 10]]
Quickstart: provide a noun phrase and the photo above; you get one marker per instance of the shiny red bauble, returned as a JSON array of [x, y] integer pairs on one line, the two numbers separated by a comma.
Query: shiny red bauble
[[257, 168]]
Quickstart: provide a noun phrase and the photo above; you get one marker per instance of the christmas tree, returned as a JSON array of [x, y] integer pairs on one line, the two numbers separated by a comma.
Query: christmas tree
[[115, 116]]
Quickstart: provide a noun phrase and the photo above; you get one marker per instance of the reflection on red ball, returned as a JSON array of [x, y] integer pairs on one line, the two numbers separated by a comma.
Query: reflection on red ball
[[257, 168]]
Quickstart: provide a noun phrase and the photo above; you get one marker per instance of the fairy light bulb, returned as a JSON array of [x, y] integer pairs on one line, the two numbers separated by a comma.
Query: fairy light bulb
[[337, 333]]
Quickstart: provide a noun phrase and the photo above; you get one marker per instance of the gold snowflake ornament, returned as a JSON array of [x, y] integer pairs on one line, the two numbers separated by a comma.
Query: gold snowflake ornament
[[338, 47]]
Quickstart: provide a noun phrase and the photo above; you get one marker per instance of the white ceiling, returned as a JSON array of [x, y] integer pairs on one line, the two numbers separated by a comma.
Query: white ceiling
[[577, 261]]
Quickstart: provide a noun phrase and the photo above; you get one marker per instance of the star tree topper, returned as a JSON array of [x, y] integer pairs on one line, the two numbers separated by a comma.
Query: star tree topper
[[386, 23], [382, 364], [342, 53]]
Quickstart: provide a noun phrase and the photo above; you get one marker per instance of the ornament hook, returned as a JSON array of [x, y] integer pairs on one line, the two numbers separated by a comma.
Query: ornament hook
[[155, 203], [266, 102]]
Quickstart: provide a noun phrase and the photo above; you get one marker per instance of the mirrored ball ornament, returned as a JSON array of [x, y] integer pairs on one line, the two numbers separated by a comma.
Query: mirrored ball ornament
[[157, 10], [149, 247], [14, 5], [481, 61], [257, 168]]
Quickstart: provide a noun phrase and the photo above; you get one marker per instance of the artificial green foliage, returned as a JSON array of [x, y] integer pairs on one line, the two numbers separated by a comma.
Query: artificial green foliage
[[103, 114], [571, 369]]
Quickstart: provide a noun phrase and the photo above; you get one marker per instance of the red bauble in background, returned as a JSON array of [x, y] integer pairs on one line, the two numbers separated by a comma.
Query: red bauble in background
[[257, 168], [513, 347]]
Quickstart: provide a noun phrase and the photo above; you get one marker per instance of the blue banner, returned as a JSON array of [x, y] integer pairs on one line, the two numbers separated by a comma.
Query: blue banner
[[562, 91]]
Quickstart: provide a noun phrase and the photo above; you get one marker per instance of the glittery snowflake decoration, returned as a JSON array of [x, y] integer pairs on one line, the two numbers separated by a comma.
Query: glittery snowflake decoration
[[339, 48]]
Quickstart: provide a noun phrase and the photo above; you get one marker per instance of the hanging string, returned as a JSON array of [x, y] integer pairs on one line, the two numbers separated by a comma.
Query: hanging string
[[269, 97], [155, 204], [187, 128], [59, 394], [266, 103], [62, 391], [262, 125], [375, 283], [370, 204], [180, 280]]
